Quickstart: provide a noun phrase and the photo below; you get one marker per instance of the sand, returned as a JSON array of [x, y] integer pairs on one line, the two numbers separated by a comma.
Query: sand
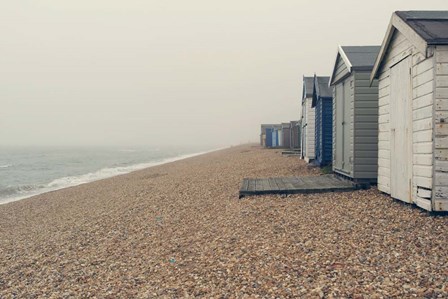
[[179, 230]]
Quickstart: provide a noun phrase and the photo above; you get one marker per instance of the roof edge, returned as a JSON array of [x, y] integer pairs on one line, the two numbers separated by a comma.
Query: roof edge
[[340, 53], [397, 23]]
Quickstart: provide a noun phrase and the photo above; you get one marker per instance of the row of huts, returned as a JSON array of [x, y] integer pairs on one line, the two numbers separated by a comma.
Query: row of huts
[[284, 135], [382, 115]]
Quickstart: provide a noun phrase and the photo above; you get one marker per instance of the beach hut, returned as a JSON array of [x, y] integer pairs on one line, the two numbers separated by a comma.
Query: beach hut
[[278, 129], [355, 113], [264, 139], [295, 135], [274, 138], [322, 102], [286, 135], [412, 73], [307, 121], [269, 133]]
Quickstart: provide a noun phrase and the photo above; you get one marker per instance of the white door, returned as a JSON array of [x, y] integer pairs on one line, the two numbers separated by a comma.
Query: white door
[[304, 128], [347, 166], [401, 130], [339, 122]]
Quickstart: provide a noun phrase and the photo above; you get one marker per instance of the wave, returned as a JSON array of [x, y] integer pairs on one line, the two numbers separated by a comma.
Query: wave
[[10, 194], [14, 190]]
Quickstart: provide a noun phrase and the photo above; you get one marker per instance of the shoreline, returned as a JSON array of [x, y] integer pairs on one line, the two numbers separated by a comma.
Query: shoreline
[[132, 168]]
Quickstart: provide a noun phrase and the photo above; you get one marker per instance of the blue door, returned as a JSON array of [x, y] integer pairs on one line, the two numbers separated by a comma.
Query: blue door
[[268, 137]]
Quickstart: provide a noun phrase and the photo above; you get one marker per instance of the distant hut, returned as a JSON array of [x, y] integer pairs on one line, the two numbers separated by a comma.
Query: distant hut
[[355, 108], [412, 69], [278, 135], [273, 135], [323, 103], [308, 119], [286, 133], [264, 139], [294, 128]]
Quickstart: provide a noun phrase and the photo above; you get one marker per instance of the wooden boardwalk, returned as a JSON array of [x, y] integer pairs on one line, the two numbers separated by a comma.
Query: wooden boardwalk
[[292, 185], [291, 152]]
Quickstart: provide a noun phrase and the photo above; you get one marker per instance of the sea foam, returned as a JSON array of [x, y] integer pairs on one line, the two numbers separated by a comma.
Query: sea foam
[[21, 192]]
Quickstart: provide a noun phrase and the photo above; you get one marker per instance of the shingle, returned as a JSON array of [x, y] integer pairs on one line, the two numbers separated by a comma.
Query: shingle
[[309, 83], [323, 90], [361, 57], [432, 26]]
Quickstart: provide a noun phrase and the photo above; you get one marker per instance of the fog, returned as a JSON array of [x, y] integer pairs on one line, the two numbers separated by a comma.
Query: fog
[[102, 72]]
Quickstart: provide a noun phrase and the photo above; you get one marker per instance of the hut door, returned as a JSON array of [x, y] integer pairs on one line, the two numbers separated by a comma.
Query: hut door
[[339, 119], [347, 125], [343, 127], [401, 130], [274, 138]]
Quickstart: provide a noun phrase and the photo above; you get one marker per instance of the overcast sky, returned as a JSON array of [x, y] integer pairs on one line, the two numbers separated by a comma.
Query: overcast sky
[[131, 72]]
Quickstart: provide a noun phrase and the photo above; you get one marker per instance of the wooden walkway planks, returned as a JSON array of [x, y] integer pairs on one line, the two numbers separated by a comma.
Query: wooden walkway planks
[[291, 185], [291, 152]]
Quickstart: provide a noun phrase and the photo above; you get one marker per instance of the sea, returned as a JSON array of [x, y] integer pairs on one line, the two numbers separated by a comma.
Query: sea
[[29, 171]]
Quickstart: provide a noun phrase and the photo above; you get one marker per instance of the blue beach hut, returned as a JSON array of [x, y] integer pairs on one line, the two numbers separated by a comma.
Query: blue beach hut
[[269, 137], [323, 104]]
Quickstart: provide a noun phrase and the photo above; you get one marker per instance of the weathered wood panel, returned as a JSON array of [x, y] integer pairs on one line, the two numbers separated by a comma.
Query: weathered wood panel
[[423, 93], [309, 128], [440, 197], [441, 104], [423, 148], [441, 68]]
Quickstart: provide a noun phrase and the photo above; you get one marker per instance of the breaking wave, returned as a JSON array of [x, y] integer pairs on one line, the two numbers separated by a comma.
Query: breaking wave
[[9, 194]]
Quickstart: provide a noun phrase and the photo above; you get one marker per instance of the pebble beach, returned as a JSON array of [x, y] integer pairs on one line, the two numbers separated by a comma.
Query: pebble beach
[[178, 230]]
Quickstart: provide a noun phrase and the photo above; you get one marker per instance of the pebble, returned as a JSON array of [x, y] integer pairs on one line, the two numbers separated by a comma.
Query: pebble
[[179, 230]]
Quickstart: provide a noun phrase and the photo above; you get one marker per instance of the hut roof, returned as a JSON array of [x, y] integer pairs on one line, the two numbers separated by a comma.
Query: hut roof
[[432, 26], [321, 89], [361, 56], [308, 83], [421, 28], [356, 58]]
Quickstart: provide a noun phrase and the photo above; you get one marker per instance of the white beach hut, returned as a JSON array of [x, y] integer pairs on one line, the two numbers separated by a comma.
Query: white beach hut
[[412, 73], [308, 121]]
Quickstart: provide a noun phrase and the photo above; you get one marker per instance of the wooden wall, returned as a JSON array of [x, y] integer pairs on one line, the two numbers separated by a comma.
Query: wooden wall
[[309, 128], [422, 74], [440, 195], [365, 120]]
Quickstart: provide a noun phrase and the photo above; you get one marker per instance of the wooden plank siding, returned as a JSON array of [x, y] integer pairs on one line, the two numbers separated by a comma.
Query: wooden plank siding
[[366, 127], [422, 115], [324, 131], [423, 82], [309, 128], [384, 130], [440, 194], [341, 70]]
